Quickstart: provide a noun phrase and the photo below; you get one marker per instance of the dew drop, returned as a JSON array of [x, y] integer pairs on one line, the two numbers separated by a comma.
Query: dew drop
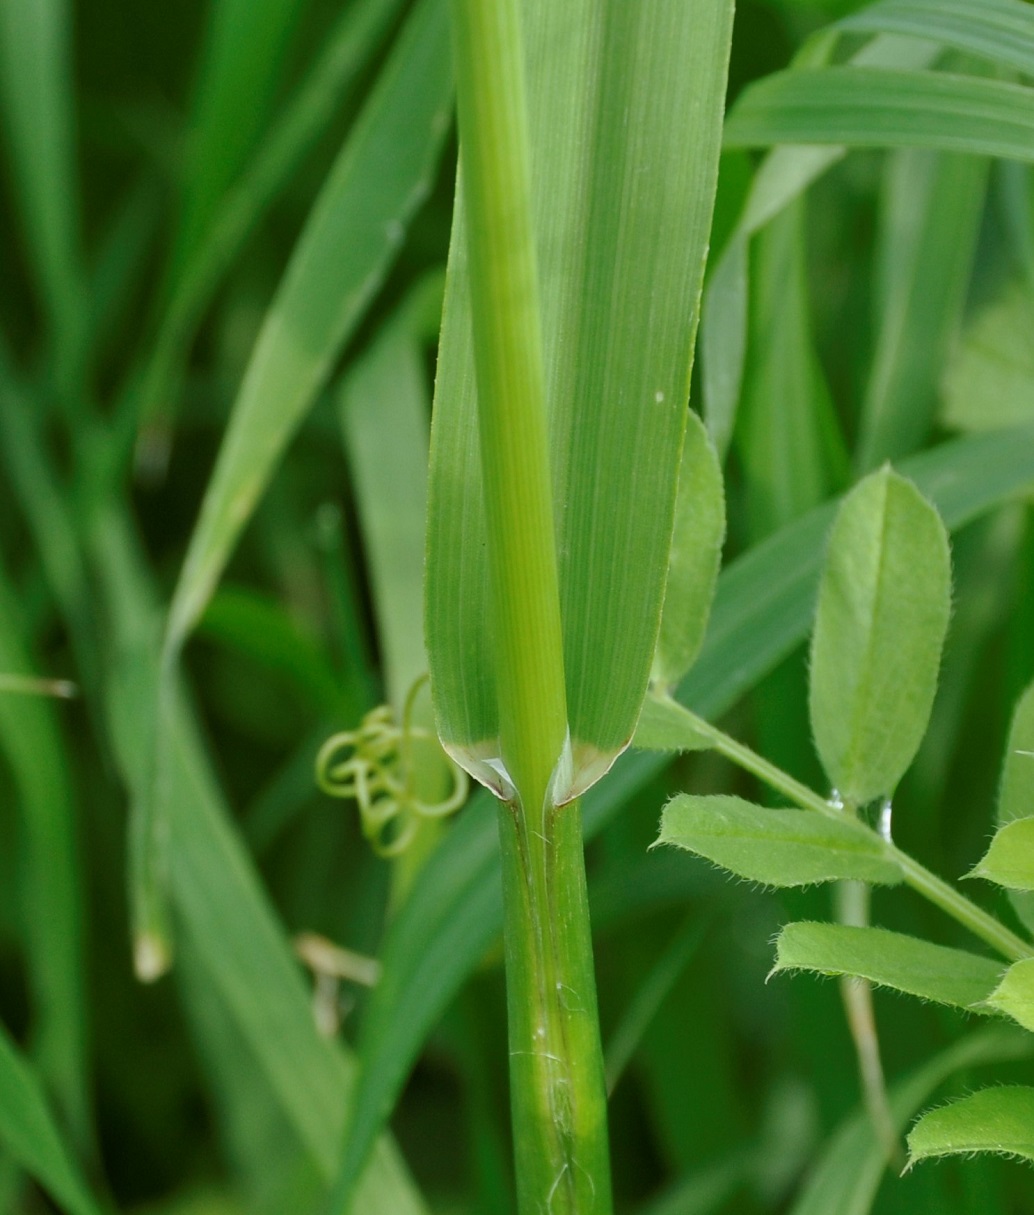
[[883, 826]]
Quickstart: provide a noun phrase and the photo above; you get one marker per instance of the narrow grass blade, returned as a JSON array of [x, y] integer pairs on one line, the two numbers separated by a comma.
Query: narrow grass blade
[[989, 380], [995, 1120], [763, 608], [848, 1172], [618, 315], [241, 65], [705, 1191], [385, 419], [1009, 860], [1001, 31], [649, 996], [290, 137], [268, 1160], [356, 227], [932, 208], [36, 89], [50, 880], [889, 959], [219, 899], [258, 626], [788, 438], [783, 176], [28, 1132], [775, 847], [384, 413], [873, 108], [882, 615]]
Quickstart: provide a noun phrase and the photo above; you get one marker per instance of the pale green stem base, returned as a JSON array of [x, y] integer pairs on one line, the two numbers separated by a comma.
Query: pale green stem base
[[556, 1072], [852, 905]]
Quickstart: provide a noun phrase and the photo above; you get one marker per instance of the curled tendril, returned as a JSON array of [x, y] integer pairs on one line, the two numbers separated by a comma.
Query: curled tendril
[[374, 765]]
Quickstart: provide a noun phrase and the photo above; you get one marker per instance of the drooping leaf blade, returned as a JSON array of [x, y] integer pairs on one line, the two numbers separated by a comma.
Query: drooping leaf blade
[[889, 959], [882, 616], [617, 185], [775, 847], [356, 231], [881, 108], [999, 30], [998, 1120], [236, 936]]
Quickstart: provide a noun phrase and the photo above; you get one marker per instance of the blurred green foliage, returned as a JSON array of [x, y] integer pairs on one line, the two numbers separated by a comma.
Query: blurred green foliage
[[137, 137]]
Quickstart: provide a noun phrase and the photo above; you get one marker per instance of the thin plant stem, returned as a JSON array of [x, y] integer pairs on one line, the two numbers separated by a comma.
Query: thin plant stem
[[931, 887], [556, 1060], [852, 906]]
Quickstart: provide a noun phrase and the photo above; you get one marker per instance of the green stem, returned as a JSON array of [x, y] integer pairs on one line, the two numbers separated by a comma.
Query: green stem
[[852, 901], [931, 887], [556, 1060]]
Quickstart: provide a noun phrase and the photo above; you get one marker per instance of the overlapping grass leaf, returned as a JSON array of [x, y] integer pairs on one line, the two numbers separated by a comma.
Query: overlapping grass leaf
[[625, 111]]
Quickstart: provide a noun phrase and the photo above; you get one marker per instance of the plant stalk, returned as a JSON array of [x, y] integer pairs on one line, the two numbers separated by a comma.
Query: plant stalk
[[556, 1061]]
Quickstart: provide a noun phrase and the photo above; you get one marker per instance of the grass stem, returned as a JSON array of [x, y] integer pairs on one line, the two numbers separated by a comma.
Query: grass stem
[[556, 1061]]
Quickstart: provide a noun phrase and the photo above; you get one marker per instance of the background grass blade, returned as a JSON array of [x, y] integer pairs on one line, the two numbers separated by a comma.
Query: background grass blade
[[38, 118], [205, 258], [233, 931], [618, 313], [989, 379], [357, 230], [932, 208], [788, 436], [872, 108], [240, 71], [29, 1134], [50, 881], [1001, 31], [384, 414], [784, 174]]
